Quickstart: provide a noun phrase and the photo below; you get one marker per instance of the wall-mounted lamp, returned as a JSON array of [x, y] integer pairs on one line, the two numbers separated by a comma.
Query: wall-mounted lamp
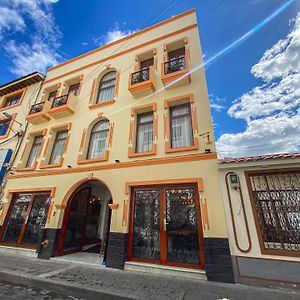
[[117, 161]]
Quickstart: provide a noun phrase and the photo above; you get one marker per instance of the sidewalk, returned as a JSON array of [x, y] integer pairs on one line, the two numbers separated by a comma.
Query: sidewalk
[[92, 282]]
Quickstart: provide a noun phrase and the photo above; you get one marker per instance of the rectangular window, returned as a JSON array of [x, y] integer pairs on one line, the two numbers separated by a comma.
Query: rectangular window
[[12, 100], [145, 64], [35, 149], [181, 126], [52, 96], [144, 132], [73, 89], [27, 218], [175, 54], [58, 147], [4, 125]]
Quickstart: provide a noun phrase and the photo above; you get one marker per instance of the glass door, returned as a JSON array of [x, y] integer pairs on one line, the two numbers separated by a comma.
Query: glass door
[[165, 226]]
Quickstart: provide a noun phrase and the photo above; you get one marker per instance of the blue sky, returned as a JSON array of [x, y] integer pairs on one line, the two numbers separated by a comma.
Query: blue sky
[[254, 89]]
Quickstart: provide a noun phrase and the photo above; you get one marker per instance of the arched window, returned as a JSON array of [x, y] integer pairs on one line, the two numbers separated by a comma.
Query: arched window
[[107, 87], [98, 140]]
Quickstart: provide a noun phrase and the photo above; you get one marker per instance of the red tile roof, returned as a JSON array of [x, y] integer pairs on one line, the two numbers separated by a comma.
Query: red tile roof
[[245, 159]]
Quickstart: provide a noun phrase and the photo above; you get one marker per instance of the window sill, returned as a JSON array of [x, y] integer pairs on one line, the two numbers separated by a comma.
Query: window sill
[[168, 149], [9, 107], [20, 169], [86, 161], [141, 154], [52, 165], [94, 106]]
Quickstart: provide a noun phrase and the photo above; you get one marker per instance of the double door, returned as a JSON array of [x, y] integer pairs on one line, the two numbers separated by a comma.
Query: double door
[[165, 226]]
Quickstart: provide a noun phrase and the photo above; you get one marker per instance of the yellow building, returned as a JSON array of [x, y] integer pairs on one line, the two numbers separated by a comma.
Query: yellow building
[[15, 98], [120, 159], [262, 203]]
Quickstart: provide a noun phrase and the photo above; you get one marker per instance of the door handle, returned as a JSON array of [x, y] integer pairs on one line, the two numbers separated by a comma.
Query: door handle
[[165, 224]]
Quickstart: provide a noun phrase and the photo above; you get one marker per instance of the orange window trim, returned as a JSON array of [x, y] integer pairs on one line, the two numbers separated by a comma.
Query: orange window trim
[[111, 131], [125, 38], [52, 190], [49, 212], [82, 139], [204, 213], [125, 213], [165, 181], [2, 209], [24, 150], [153, 50], [117, 83], [132, 153], [47, 166], [92, 92], [68, 126], [37, 116], [47, 146], [190, 27], [152, 106], [130, 131], [63, 108], [185, 40], [155, 128], [9, 127], [60, 206], [170, 101], [94, 106], [93, 160], [27, 168], [121, 165], [21, 91]]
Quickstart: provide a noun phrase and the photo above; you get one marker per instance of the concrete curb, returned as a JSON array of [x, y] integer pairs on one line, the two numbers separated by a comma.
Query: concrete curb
[[66, 289]]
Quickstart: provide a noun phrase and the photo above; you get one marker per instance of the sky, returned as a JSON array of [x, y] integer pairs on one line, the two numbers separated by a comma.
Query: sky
[[254, 86]]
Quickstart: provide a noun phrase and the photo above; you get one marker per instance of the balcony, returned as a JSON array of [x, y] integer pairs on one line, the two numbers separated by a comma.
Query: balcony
[[176, 72], [63, 106], [141, 82], [37, 113]]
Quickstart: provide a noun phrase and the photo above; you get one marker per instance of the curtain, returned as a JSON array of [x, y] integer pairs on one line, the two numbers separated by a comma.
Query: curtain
[[34, 151], [58, 148], [107, 87], [98, 139], [181, 127], [145, 133]]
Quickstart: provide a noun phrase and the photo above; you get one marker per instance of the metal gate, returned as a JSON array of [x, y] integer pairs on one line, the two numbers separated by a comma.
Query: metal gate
[[276, 198]]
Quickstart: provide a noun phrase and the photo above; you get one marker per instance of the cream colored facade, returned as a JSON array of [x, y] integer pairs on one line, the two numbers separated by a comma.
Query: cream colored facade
[[120, 169], [257, 258]]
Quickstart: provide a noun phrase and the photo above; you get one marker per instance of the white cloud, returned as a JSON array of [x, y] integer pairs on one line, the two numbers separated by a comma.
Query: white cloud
[[216, 103], [272, 110], [112, 35], [41, 49]]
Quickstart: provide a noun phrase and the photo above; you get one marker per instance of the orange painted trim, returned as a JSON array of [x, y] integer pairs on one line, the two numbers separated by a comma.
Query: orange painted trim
[[52, 190], [60, 206], [125, 213], [137, 56], [80, 84], [47, 146], [155, 128], [82, 139], [21, 91], [38, 132], [68, 126], [94, 106], [117, 83], [204, 213], [2, 137], [27, 168], [180, 149], [125, 38], [92, 92], [131, 152], [60, 109], [111, 131], [100, 114], [195, 120], [166, 125], [125, 51], [42, 166], [87, 161], [24, 150], [130, 131], [142, 86], [165, 181], [122, 165], [49, 212], [2, 209], [189, 97], [39, 115], [184, 40], [113, 205], [152, 106]]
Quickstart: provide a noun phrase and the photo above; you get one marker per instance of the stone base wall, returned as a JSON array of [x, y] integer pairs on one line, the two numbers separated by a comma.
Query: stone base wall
[[50, 234], [218, 263]]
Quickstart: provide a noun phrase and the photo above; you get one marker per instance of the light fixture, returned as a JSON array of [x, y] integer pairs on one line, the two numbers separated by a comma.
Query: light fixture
[[69, 166], [117, 161]]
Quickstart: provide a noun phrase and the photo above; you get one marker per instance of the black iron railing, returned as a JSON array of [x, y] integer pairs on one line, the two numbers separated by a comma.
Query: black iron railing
[[140, 76], [174, 65], [277, 202], [59, 101], [36, 108]]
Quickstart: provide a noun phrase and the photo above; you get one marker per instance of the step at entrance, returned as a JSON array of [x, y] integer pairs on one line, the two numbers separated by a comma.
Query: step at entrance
[[18, 251], [165, 270]]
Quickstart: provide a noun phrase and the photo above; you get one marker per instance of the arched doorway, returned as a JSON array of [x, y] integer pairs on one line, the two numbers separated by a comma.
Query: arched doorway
[[86, 220]]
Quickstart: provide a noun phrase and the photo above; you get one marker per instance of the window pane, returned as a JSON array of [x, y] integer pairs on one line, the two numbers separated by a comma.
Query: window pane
[[107, 87], [144, 133], [58, 147], [73, 89], [106, 94], [16, 218], [4, 127], [37, 219], [181, 127], [12, 100], [98, 144], [34, 151]]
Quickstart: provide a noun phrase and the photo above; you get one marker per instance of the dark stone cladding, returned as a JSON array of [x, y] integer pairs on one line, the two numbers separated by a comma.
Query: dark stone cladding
[[50, 234], [117, 250], [218, 263]]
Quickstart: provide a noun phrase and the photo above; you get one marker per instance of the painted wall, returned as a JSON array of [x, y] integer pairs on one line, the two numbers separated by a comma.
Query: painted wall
[[161, 166]]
